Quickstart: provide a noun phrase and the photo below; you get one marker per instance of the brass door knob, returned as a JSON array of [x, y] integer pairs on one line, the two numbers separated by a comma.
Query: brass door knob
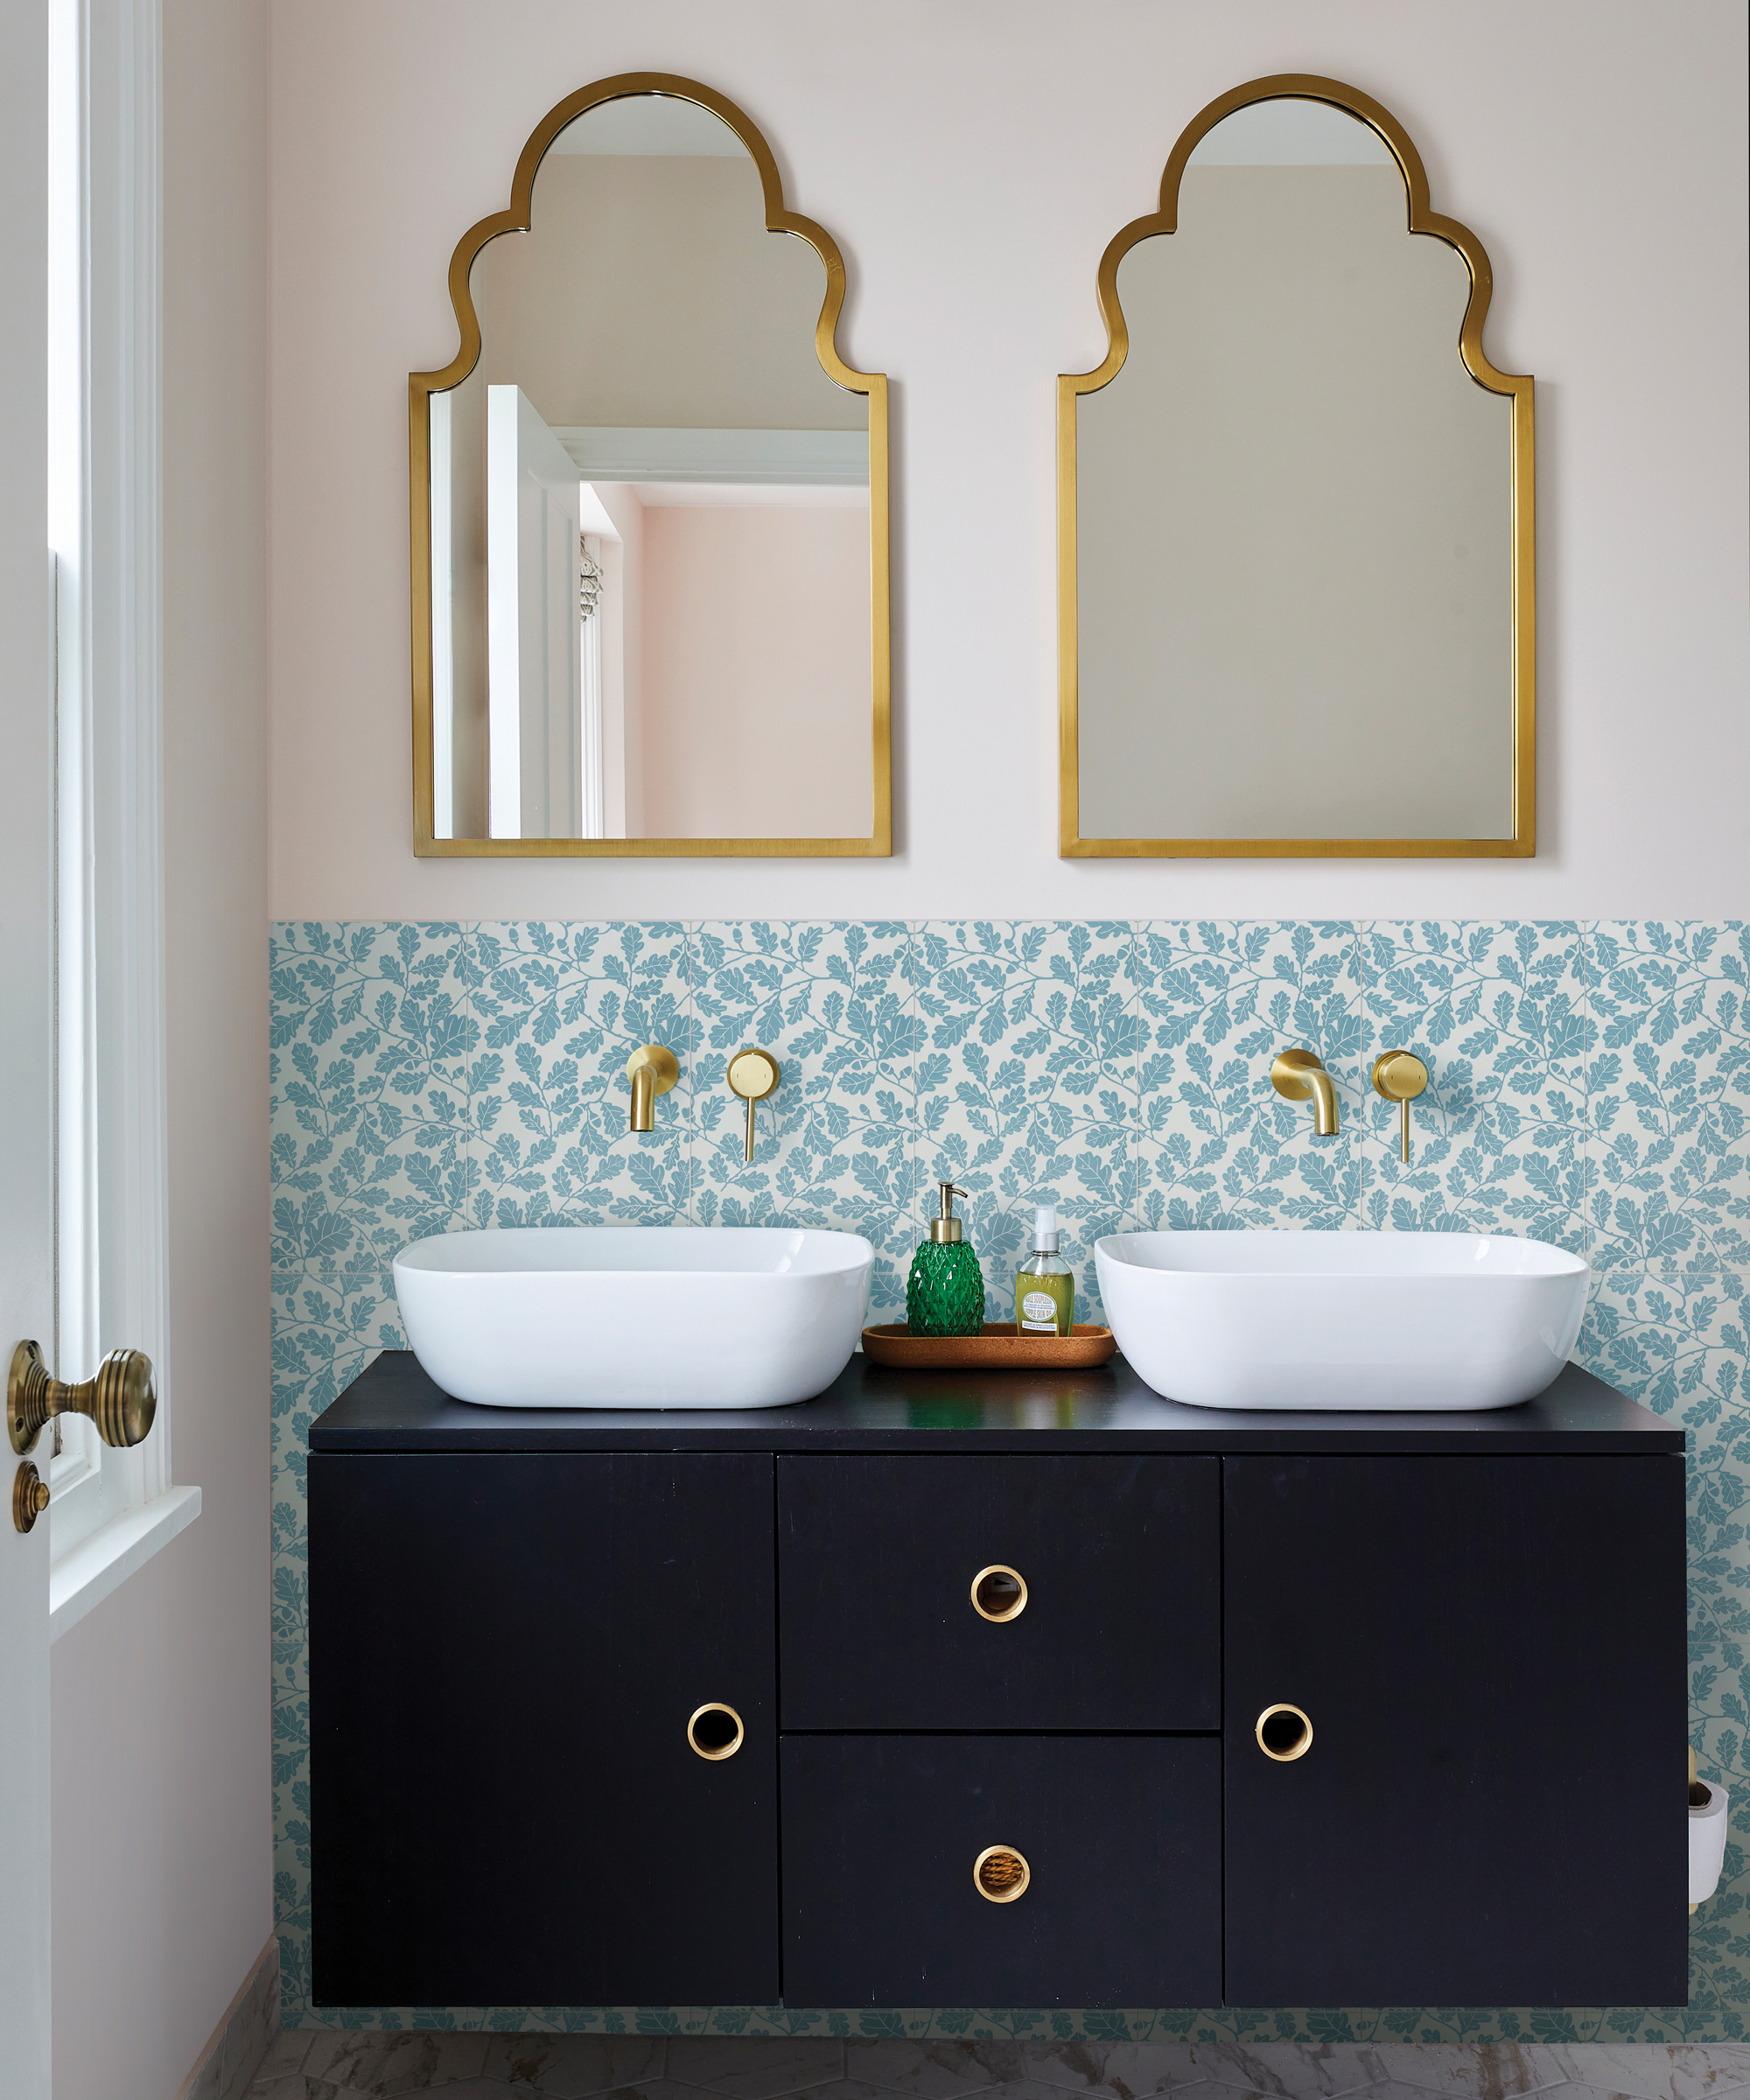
[[30, 1496], [1000, 1873], [714, 1731], [1284, 1733], [998, 1594], [121, 1399], [753, 1074]]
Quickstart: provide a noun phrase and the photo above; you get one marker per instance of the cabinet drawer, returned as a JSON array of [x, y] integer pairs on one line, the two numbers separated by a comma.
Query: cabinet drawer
[[1119, 1627], [1121, 1838]]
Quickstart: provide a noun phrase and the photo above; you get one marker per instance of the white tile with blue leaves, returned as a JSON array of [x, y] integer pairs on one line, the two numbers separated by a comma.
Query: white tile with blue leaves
[[1670, 1087], [833, 1145], [1217, 1147], [1027, 1087], [1497, 1011], [558, 1008], [1590, 1085]]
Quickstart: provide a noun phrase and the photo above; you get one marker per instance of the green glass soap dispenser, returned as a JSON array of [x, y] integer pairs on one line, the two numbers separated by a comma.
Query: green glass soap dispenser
[[945, 1291]]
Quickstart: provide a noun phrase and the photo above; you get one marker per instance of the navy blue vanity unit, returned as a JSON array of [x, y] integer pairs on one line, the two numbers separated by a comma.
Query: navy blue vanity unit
[[996, 1688]]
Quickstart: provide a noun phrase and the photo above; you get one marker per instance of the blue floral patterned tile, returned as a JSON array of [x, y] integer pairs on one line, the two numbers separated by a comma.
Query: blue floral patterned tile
[[834, 1004], [1027, 1087], [1218, 1147], [369, 1099], [1670, 1084], [1497, 1012], [560, 1006]]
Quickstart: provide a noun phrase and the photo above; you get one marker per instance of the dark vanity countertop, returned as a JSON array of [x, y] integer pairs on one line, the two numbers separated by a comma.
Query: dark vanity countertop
[[393, 1406]]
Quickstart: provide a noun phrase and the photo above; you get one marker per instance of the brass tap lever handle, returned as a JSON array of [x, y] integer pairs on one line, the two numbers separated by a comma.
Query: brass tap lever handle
[[121, 1399], [753, 1074], [1400, 1075]]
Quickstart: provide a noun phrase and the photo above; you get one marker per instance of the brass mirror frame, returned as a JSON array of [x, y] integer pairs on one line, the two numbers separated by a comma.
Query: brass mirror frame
[[422, 385], [1521, 844]]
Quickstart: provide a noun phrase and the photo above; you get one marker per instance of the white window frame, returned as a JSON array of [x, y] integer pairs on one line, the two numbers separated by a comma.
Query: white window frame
[[109, 1509]]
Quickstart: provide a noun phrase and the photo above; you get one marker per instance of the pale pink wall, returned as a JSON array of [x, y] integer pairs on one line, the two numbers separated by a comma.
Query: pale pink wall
[[161, 1804], [756, 616], [973, 161]]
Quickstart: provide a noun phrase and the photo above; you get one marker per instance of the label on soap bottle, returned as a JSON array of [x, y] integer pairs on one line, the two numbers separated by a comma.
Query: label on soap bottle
[[1044, 1305]]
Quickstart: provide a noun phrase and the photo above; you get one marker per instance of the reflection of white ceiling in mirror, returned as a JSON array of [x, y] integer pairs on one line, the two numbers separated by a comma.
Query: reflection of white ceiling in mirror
[[1291, 133], [648, 124], [742, 495], [821, 459]]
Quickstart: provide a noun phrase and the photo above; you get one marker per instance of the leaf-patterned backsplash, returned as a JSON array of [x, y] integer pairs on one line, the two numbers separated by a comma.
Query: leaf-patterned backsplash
[[1589, 1085]]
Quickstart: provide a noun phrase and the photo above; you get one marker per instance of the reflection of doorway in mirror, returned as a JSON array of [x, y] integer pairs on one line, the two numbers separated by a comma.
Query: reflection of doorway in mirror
[[660, 338]]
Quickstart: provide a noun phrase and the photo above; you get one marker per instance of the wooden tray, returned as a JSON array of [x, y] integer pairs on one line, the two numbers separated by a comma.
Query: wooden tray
[[999, 1348]]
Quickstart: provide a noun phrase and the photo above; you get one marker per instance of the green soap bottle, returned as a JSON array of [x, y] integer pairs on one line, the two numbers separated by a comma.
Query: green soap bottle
[[945, 1291]]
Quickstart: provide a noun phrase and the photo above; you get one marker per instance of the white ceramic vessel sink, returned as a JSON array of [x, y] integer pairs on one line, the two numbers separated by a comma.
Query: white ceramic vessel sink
[[634, 1316], [1342, 1319]]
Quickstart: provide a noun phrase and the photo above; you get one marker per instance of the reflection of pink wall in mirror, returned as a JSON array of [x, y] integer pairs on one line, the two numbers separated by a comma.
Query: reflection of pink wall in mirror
[[756, 672]]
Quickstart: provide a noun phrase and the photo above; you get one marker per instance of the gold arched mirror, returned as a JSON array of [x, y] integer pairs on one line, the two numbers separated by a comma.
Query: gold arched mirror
[[1295, 511], [649, 510]]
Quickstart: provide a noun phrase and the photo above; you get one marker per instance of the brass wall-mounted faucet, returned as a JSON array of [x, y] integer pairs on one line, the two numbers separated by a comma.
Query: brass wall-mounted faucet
[[1400, 1075], [1297, 1074], [753, 1074], [652, 1070]]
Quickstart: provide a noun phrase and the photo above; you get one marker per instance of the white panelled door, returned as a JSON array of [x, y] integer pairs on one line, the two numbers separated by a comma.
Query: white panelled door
[[535, 767], [27, 1039]]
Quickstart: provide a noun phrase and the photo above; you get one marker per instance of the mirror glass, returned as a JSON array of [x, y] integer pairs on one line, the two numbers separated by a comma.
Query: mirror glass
[[650, 516], [1294, 609]]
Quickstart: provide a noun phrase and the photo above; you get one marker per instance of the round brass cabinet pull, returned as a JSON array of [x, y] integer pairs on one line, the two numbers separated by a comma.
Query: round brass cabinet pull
[[998, 1594], [715, 1731], [1000, 1873], [1284, 1733]]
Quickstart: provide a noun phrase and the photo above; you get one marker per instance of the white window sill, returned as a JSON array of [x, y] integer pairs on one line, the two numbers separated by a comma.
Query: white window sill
[[82, 1578]]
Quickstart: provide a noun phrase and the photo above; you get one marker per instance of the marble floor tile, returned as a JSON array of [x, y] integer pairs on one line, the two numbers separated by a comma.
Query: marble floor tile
[[1126, 2070], [572, 2067], [1300, 2070], [933, 2070], [293, 2085], [382, 2065], [286, 2051], [1649, 2072], [752, 2068], [1485, 2071], [1391, 2088], [847, 2089]]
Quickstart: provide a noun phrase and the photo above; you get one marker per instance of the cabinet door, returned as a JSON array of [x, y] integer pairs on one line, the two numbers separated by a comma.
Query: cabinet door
[[1121, 1837], [1491, 1653], [506, 1652], [1120, 1628]]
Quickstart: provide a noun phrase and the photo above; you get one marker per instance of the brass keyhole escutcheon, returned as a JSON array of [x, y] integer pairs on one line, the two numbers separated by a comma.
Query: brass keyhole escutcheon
[[714, 1732], [753, 1074], [30, 1497], [998, 1594], [1284, 1733], [120, 1400], [1000, 1873]]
